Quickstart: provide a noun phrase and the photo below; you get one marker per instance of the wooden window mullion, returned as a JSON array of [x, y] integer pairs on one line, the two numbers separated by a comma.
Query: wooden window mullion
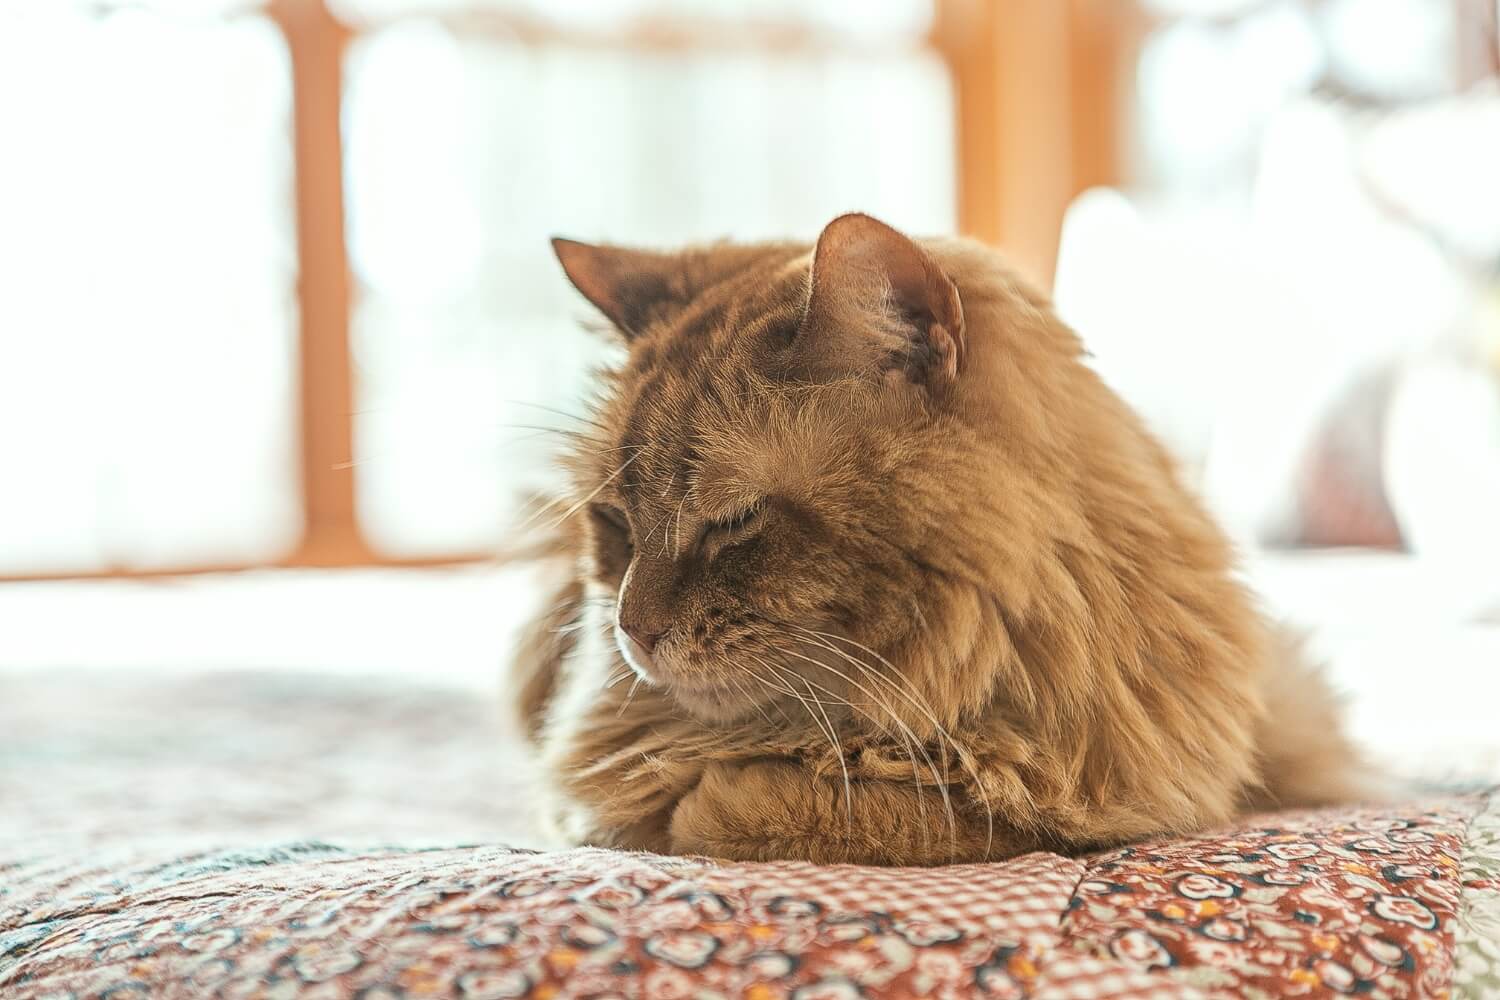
[[315, 41]]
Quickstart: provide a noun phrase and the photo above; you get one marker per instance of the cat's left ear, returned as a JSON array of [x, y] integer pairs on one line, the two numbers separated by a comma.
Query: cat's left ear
[[878, 296], [628, 286]]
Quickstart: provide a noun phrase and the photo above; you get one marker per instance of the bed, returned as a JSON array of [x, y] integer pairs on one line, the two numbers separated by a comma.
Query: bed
[[281, 835]]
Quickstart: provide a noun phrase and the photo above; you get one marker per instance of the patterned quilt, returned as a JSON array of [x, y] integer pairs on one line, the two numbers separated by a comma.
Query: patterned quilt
[[290, 837]]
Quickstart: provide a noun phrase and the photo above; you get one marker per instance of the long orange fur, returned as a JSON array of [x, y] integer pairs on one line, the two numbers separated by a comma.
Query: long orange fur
[[926, 590]]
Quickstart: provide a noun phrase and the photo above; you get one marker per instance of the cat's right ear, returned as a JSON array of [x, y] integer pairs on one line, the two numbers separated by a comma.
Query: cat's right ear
[[628, 286], [877, 299]]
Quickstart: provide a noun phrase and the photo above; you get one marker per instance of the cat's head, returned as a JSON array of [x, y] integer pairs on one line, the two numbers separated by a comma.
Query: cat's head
[[774, 480]]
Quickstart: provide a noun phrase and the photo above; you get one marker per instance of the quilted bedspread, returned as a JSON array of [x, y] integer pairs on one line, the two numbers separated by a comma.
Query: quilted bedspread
[[278, 836]]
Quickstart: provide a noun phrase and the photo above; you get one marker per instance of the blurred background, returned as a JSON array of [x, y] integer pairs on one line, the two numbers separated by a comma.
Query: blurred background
[[282, 342]]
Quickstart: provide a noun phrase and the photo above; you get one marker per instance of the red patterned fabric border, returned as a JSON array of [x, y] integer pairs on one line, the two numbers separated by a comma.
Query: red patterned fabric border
[[154, 842], [1313, 904]]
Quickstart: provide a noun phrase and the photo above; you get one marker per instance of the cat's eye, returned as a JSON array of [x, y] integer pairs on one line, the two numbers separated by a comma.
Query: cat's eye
[[729, 529], [611, 518]]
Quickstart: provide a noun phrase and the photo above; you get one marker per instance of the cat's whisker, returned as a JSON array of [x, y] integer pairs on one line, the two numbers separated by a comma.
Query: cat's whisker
[[652, 532], [593, 493], [939, 780], [665, 536], [959, 752], [629, 696], [541, 429], [744, 689], [916, 778], [785, 685], [542, 504], [769, 686], [811, 715], [836, 701], [582, 419], [779, 688], [892, 678], [893, 681], [912, 746], [838, 752], [833, 739], [677, 544]]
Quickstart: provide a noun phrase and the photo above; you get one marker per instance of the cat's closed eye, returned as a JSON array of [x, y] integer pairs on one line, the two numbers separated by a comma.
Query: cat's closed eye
[[723, 532], [611, 520], [613, 542]]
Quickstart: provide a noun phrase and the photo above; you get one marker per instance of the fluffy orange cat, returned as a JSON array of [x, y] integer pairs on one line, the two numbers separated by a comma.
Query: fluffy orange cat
[[863, 564]]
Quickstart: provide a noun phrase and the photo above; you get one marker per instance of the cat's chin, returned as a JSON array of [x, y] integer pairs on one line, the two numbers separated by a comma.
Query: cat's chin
[[712, 705], [707, 702]]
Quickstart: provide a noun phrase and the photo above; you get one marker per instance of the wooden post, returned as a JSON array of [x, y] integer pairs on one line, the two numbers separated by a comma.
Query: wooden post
[[1037, 94], [315, 41]]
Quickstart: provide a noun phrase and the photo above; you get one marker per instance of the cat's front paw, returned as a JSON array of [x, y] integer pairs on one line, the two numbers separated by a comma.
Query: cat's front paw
[[746, 812], [769, 810], [766, 810]]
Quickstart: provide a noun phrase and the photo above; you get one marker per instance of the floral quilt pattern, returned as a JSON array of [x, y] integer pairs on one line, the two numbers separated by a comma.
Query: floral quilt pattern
[[1478, 946]]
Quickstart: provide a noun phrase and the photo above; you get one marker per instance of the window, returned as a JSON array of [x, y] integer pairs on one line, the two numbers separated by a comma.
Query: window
[[278, 286], [147, 324]]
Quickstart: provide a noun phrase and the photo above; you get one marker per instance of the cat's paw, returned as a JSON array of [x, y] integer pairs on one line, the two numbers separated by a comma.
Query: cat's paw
[[752, 811], [766, 810]]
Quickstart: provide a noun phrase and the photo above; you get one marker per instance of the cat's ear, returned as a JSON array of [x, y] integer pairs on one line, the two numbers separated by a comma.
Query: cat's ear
[[877, 297], [628, 286]]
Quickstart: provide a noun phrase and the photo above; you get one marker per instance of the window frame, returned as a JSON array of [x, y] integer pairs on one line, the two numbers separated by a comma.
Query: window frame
[[1038, 101]]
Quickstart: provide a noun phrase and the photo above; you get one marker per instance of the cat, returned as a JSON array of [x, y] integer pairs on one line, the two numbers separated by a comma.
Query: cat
[[862, 563]]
